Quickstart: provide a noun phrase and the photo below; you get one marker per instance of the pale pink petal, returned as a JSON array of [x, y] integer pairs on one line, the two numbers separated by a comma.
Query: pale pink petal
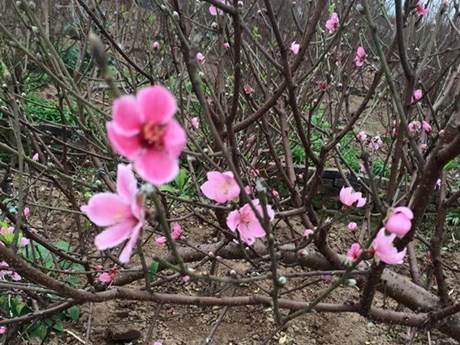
[[129, 147], [126, 118], [105, 209], [113, 235], [157, 167], [360, 52], [126, 252], [405, 210], [361, 202], [213, 10], [15, 276], [3, 330], [174, 138], [105, 277], [161, 240], [352, 226], [308, 233], [26, 212], [126, 183], [176, 231], [156, 104], [24, 241], [233, 220], [36, 157]]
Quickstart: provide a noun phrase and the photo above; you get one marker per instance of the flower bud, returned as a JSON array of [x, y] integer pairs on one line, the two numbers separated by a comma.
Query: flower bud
[[282, 280]]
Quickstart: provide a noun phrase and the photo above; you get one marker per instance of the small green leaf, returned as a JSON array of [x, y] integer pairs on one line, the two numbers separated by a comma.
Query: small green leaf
[[153, 269], [58, 326], [74, 312], [40, 331]]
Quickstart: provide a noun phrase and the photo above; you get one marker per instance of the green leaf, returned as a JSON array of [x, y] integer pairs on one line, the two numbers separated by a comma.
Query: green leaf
[[58, 326], [63, 245], [74, 312], [168, 188], [181, 179], [153, 269], [40, 331]]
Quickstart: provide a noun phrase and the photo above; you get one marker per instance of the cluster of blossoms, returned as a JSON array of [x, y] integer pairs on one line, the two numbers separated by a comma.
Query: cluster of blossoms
[[4, 272], [223, 188], [397, 224], [143, 130], [374, 143]]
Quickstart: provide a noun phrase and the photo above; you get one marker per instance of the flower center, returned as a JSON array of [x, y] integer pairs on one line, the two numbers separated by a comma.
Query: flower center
[[151, 135]]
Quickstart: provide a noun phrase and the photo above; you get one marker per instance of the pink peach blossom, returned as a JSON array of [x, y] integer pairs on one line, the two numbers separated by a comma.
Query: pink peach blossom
[[376, 143], [3, 329], [161, 240], [214, 11], [295, 48], [421, 8], [414, 126], [360, 56], [418, 94], [275, 194], [226, 45], [26, 212], [362, 136], [143, 131], [200, 58], [156, 45], [248, 89], [220, 187], [399, 221], [195, 122], [426, 127], [348, 197], [352, 226], [246, 223], [354, 252], [332, 23], [157, 343], [423, 146], [176, 232], [24, 241], [122, 213], [384, 249], [36, 157], [185, 278], [108, 277], [307, 233]]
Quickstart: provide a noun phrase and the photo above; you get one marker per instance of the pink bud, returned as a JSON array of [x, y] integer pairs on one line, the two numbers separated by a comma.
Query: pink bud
[[156, 46], [295, 47], [200, 58], [36, 157], [196, 122], [161, 240], [308, 233], [352, 226], [26, 212], [399, 221], [248, 89]]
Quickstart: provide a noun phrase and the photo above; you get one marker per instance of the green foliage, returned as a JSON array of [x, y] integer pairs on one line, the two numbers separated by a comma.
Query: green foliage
[[380, 169], [181, 185], [44, 111], [71, 56], [153, 269]]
